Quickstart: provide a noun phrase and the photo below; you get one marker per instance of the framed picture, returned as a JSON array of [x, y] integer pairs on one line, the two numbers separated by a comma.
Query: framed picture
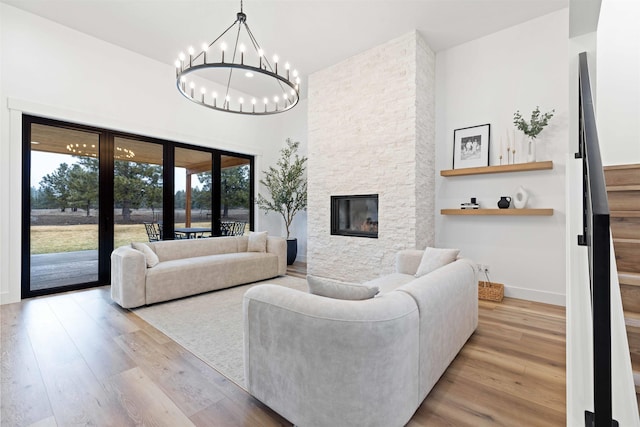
[[471, 146]]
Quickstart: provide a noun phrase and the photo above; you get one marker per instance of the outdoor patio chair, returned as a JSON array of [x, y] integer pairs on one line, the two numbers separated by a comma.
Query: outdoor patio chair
[[232, 228], [154, 231], [237, 228]]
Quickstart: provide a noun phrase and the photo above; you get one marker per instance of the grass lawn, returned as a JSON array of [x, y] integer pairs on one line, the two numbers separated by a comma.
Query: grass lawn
[[68, 238]]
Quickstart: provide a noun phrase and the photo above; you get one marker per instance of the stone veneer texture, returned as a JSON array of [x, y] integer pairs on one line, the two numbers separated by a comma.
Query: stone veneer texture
[[371, 131]]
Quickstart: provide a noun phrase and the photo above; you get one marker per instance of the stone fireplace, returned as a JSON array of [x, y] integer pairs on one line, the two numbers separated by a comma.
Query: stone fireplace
[[371, 132]]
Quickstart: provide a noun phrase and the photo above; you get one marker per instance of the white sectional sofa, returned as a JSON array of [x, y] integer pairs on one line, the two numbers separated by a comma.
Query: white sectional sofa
[[192, 266], [322, 362]]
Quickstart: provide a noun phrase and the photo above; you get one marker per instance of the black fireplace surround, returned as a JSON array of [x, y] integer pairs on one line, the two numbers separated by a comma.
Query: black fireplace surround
[[355, 216]]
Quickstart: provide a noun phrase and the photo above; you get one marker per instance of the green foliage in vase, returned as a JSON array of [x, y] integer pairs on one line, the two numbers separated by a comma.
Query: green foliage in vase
[[286, 184], [537, 123]]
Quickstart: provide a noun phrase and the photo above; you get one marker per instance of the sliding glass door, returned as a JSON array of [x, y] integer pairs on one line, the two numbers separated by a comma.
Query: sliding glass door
[[88, 190], [64, 208], [235, 194], [193, 189], [137, 190]]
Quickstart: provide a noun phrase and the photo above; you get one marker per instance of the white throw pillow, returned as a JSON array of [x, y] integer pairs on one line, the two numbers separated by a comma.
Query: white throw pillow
[[149, 255], [340, 290], [257, 242], [434, 258]]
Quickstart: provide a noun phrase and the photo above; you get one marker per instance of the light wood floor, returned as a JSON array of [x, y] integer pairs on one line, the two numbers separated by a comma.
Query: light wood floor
[[78, 359]]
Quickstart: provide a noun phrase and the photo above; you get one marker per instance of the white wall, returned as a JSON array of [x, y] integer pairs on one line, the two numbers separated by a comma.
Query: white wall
[[50, 70], [618, 88], [294, 127], [486, 81]]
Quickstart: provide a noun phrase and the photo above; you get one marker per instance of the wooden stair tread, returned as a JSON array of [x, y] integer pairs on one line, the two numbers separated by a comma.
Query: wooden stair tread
[[623, 187], [619, 167], [629, 278], [626, 240], [623, 214]]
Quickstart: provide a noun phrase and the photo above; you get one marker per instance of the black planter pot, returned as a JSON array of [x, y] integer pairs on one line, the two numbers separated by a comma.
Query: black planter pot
[[292, 250]]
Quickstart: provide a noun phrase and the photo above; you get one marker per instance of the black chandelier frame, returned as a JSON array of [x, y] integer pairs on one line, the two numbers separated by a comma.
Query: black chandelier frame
[[184, 68]]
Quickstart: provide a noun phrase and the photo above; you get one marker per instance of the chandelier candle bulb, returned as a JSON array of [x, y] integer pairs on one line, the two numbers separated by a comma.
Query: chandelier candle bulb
[[275, 61], [191, 52], [242, 49], [286, 67], [223, 47], [205, 48]]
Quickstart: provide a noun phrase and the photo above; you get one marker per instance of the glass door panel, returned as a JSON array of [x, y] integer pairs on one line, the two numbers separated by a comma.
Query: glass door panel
[[137, 191], [64, 210], [192, 193], [235, 205]]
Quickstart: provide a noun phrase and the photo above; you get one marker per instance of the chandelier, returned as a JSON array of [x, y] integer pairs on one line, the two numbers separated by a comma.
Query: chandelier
[[253, 86]]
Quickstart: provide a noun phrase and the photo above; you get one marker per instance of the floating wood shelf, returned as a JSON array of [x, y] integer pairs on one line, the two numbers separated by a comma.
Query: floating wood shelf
[[514, 212], [518, 167]]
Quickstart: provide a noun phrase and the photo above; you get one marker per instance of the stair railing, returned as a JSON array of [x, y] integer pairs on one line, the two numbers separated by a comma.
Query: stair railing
[[596, 236]]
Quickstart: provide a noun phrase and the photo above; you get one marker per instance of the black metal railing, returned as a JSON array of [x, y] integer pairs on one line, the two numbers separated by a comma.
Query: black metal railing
[[595, 235]]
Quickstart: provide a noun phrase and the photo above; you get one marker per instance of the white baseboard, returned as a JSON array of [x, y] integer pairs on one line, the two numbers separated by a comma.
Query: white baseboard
[[8, 298], [535, 295]]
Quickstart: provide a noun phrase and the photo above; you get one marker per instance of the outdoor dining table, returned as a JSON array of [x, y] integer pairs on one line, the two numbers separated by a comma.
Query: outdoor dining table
[[192, 232]]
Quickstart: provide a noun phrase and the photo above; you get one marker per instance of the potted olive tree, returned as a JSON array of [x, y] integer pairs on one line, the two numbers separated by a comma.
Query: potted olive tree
[[287, 188]]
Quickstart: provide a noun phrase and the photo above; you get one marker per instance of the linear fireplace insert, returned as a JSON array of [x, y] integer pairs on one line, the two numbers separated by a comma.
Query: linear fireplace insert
[[355, 215]]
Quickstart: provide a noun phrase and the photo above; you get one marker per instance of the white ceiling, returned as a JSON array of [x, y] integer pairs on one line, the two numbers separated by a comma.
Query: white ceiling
[[310, 34]]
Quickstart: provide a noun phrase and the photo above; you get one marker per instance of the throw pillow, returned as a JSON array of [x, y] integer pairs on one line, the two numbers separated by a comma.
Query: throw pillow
[[434, 258], [340, 290], [257, 242], [149, 255]]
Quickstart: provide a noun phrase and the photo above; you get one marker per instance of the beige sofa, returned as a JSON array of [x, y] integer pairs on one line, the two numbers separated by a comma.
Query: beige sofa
[[319, 361], [193, 266]]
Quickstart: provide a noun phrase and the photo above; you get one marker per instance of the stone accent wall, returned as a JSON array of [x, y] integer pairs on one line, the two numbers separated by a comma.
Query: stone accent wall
[[371, 131]]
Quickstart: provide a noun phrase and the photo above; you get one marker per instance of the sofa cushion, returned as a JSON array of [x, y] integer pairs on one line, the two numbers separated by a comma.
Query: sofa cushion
[[168, 250], [390, 282], [179, 278], [257, 241], [434, 258], [150, 256], [340, 290]]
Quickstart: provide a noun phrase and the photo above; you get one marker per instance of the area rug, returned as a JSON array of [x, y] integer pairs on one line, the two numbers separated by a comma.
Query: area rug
[[210, 325]]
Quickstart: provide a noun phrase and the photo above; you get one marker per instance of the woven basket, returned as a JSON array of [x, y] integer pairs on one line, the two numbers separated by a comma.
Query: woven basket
[[490, 291]]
